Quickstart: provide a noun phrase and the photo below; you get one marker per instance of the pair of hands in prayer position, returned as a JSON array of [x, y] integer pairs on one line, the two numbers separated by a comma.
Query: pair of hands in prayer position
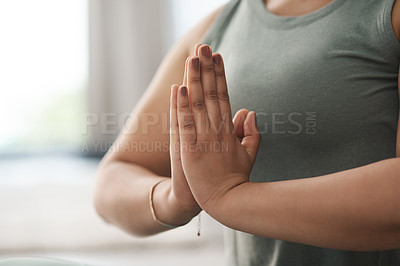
[[210, 153]]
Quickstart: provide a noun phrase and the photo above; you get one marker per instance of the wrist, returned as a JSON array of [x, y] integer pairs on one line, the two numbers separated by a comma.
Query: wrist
[[219, 205], [218, 194], [167, 208]]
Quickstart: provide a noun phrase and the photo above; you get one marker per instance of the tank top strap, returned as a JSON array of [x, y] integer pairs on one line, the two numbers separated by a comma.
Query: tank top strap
[[215, 32]]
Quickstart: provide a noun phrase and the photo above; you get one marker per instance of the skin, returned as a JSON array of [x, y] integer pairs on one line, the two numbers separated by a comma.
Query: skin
[[125, 177], [396, 29], [357, 209], [294, 7]]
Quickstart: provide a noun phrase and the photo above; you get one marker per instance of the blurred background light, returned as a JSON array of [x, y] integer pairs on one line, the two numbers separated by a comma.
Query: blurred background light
[[61, 60]]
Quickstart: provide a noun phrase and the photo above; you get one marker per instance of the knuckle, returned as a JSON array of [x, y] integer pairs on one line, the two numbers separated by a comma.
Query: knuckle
[[208, 68], [198, 105], [223, 95], [183, 105], [194, 79], [212, 94], [219, 73], [188, 125]]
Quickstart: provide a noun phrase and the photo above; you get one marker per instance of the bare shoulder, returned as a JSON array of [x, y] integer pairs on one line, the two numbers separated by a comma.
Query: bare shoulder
[[396, 19], [154, 106], [197, 34]]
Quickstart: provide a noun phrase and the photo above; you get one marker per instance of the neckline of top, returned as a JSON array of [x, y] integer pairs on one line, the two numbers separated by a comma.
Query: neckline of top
[[278, 21]]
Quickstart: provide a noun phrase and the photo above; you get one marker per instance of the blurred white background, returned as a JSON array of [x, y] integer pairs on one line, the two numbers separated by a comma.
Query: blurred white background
[[61, 60]]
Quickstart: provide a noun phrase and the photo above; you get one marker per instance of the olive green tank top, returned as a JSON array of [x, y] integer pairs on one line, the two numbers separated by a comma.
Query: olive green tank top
[[324, 88]]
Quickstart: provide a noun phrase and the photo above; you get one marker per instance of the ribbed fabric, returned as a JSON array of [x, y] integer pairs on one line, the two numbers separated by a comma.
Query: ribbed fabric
[[324, 87]]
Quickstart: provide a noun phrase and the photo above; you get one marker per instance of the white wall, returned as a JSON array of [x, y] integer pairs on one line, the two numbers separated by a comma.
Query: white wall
[[128, 40]]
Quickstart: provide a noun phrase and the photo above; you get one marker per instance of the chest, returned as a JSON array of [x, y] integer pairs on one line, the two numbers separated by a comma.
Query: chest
[[294, 7], [317, 92]]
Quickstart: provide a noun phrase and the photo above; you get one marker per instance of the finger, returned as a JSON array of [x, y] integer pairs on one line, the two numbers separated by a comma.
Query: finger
[[222, 93], [196, 98], [252, 137], [238, 122], [187, 132], [185, 74], [209, 87], [174, 129], [196, 49], [184, 82]]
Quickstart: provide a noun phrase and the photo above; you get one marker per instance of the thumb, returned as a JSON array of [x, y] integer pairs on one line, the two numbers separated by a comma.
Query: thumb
[[252, 137], [238, 121]]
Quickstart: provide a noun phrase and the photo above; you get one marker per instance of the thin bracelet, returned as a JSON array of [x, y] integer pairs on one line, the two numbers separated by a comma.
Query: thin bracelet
[[153, 213], [198, 224]]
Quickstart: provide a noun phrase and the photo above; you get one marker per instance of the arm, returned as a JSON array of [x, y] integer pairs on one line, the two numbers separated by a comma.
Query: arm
[[125, 175], [396, 29], [398, 123], [356, 209]]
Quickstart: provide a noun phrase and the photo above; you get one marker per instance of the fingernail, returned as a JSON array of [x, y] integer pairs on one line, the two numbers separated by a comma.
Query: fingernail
[[206, 51], [183, 91], [217, 59], [195, 62]]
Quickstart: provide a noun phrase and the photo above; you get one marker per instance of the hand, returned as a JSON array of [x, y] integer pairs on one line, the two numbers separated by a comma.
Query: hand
[[180, 193], [214, 158]]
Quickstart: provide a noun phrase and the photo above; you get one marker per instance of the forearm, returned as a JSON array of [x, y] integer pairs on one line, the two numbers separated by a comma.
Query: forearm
[[398, 136], [357, 209], [122, 198]]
